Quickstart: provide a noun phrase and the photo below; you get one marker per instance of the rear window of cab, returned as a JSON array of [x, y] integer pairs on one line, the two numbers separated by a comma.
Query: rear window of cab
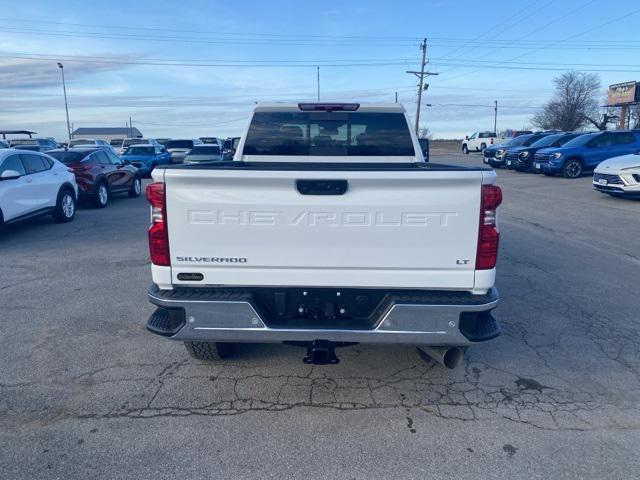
[[329, 134]]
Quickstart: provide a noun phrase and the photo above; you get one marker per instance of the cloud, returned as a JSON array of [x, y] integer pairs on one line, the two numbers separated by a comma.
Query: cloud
[[27, 74]]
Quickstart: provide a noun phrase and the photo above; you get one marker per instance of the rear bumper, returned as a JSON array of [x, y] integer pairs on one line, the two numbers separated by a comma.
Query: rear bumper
[[234, 315]]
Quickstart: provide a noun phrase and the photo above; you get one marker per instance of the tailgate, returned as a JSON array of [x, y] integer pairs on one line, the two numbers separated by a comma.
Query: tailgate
[[390, 229]]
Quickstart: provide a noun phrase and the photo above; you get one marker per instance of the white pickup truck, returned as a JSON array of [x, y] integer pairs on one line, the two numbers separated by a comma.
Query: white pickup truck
[[478, 141], [328, 228]]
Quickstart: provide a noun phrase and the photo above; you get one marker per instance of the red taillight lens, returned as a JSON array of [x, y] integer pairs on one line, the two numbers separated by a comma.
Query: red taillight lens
[[158, 238], [488, 234]]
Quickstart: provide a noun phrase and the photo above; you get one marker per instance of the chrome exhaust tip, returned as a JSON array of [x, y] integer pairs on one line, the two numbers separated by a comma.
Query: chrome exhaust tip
[[448, 357]]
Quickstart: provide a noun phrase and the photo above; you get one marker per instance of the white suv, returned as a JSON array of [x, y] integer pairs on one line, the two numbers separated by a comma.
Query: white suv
[[619, 176], [32, 184]]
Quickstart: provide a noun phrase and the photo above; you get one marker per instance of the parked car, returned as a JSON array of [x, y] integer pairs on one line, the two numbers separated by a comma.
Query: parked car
[[76, 142], [204, 153], [116, 143], [32, 184], [619, 176], [34, 144], [162, 141], [100, 145], [521, 158], [127, 142], [178, 148], [585, 152], [517, 133], [211, 140], [4, 144], [478, 141], [230, 146], [146, 157], [426, 276], [495, 155], [100, 173]]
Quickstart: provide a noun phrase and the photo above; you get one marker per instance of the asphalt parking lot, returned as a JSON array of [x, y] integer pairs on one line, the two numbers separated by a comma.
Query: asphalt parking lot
[[86, 392]]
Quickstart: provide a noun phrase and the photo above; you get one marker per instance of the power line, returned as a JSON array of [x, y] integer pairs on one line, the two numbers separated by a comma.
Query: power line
[[548, 24], [477, 64], [433, 40], [210, 124], [216, 32], [499, 25], [202, 40], [608, 22]]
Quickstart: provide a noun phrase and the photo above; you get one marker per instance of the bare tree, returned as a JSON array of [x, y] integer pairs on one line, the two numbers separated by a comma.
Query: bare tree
[[424, 133], [601, 120], [575, 99], [635, 117]]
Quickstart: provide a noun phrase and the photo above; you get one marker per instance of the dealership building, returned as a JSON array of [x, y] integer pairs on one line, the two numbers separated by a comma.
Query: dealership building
[[106, 133]]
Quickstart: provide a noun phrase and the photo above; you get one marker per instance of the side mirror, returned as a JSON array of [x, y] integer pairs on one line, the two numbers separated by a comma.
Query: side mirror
[[467, 137], [10, 175]]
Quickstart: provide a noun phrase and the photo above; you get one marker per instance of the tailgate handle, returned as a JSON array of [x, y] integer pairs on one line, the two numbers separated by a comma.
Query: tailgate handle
[[322, 187]]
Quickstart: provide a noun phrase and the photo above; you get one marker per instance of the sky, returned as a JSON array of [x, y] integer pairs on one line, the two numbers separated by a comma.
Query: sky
[[196, 68]]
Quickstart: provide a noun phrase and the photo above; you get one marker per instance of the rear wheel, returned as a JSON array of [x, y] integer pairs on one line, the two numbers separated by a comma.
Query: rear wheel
[[101, 198], [483, 146], [572, 168], [465, 150], [210, 351], [65, 206], [136, 188]]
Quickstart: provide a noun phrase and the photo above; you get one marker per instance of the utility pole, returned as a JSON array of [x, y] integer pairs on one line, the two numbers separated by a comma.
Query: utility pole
[[396, 97], [130, 128], [66, 106], [421, 85], [318, 81], [495, 117]]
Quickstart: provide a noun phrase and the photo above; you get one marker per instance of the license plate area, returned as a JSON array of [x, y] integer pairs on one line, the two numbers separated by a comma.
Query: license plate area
[[348, 308]]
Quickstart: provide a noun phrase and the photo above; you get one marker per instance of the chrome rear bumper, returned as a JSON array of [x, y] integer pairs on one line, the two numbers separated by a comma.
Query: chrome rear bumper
[[227, 315]]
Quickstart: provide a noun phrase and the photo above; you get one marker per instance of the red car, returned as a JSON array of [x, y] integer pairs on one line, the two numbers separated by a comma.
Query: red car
[[99, 173]]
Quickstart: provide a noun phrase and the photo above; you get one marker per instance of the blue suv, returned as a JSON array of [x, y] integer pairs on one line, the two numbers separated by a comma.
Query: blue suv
[[585, 153], [146, 157], [521, 158]]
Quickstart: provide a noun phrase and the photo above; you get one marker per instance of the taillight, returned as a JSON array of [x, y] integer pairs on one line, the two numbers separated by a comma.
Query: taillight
[[158, 238], [488, 234]]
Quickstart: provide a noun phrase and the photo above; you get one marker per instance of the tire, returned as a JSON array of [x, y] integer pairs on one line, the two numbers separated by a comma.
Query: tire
[[101, 197], [572, 168], [136, 188], [483, 146], [65, 210], [210, 351], [465, 150]]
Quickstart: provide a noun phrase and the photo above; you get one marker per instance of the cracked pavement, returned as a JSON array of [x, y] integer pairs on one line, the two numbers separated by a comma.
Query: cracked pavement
[[86, 392]]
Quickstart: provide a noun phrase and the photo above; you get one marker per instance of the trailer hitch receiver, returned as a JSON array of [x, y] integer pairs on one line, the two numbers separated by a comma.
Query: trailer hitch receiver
[[321, 352]]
